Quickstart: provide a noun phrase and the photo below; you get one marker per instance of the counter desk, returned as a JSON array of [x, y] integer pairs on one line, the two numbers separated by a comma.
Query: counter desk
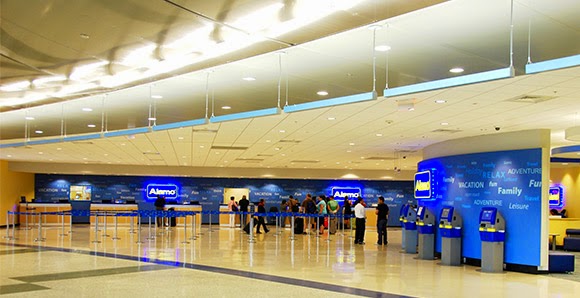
[[181, 220], [224, 219], [43, 207], [112, 209]]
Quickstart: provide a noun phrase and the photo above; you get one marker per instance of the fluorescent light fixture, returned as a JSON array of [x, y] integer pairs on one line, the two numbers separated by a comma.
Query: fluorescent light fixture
[[180, 138], [440, 101], [87, 109], [86, 70], [379, 135], [497, 74], [40, 152], [282, 131], [322, 93], [331, 118], [91, 125], [41, 81], [331, 102], [29, 118], [444, 123], [226, 108], [38, 131], [249, 79], [151, 118], [156, 96], [18, 86], [554, 64], [456, 70], [382, 48], [564, 163], [351, 144]]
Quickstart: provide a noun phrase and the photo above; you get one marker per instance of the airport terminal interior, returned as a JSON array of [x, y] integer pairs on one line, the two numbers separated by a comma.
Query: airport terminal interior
[[127, 127]]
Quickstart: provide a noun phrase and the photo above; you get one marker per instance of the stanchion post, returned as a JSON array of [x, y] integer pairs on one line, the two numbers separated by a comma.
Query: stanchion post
[[210, 222], [96, 228], [39, 237], [292, 228], [132, 228], [62, 219], [149, 237], [251, 239], [13, 226], [115, 235], [70, 218], [350, 224], [105, 228], [329, 216], [184, 231], [193, 237], [7, 226], [139, 228]]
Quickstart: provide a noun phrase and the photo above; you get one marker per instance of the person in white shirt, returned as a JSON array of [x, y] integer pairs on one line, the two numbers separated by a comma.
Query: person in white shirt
[[359, 214], [232, 206]]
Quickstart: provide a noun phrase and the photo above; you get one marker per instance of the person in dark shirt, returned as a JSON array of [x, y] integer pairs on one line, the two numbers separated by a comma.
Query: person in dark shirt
[[261, 209], [382, 213], [243, 204], [347, 212], [160, 206]]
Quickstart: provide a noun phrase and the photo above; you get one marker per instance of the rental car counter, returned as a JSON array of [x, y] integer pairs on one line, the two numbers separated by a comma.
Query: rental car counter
[[40, 208], [110, 210], [186, 207]]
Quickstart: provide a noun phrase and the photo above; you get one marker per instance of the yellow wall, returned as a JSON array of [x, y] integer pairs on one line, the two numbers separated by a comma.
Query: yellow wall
[[13, 185], [569, 178]]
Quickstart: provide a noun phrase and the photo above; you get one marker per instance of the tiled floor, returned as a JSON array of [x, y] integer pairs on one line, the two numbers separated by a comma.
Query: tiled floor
[[223, 263]]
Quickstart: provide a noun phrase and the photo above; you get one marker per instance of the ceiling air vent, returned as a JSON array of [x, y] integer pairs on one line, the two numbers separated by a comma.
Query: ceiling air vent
[[290, 141], [531, 98], [265, 155], [446, 131], [205, 130], [305, 161], [380, 158], [228, 148]]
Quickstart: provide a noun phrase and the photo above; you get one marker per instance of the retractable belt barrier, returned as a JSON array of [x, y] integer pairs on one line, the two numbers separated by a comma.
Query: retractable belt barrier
[[147, 213]]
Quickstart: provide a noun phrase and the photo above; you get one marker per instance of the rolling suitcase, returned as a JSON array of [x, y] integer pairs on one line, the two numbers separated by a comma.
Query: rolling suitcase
[[298, 225]]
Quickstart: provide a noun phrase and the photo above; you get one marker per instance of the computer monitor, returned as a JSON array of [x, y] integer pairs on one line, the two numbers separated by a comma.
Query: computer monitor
[[130, 202], [63, 201], [23, 199], [106, 201], [445, 212]]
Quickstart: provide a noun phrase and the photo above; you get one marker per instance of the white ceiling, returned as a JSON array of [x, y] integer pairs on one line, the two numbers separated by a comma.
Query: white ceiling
[[377, 135]]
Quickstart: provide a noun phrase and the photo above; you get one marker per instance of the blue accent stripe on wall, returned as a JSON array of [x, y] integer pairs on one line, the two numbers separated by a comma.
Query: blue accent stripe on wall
[[331, 102], [553, 64], [566, 149], [82, 137], [451, 82]]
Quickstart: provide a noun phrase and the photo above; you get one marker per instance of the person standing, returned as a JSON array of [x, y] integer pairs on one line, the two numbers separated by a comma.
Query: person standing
[[382, 213], [347, 212], [261, 209], [232, 207], [322, 213], [359, 214], [333, 209], [243, 204], [283, 209], [159, 206]]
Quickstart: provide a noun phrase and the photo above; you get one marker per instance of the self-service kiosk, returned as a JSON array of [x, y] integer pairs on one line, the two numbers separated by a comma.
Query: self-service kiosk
[[492, 233], [450, 224], [402, 215], [410, 230], [426, 229]]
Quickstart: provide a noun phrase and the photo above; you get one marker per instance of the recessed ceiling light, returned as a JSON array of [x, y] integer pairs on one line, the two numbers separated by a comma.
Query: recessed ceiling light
[[411, 109], [348, 151], [122, 144], [249, 79], [226, 108], [180, 138], [277, 148], [379, 135], [8, 155], [58, 148], [91, 125], [382, 48], [40, 152], [283, 154], [38, 131], [184, 156], [84, 158], [106, 154], [322, 93], [201, 146], [157, 96], [456, 70], [217, 153], [564, 163], [29, 118], [338, 162], [268, 141], [444, 123], [87, 109], [282, 131], [440, 101], [331, 118], [352, 144], [84, 36]]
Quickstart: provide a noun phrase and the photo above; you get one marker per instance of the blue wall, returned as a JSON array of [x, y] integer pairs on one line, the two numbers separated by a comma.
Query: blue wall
[[209, 191], [507, 180]]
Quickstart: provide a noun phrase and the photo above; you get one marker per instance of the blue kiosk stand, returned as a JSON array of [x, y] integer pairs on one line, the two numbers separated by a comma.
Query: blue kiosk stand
[[410, 230], [402, 214], [425, 227], [450, 224], [492, 233]]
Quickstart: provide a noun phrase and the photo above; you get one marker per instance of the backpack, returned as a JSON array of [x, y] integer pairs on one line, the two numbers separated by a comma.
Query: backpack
[[311, 207]]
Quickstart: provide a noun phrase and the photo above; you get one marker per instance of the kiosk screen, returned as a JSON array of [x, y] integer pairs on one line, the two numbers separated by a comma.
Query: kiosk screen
[[486, 215], [420, 212], [445, 212]]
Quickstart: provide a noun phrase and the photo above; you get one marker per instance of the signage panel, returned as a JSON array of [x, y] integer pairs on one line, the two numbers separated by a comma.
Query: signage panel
[[351, 192], [556, 196], [169, 191], [424, 185]]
